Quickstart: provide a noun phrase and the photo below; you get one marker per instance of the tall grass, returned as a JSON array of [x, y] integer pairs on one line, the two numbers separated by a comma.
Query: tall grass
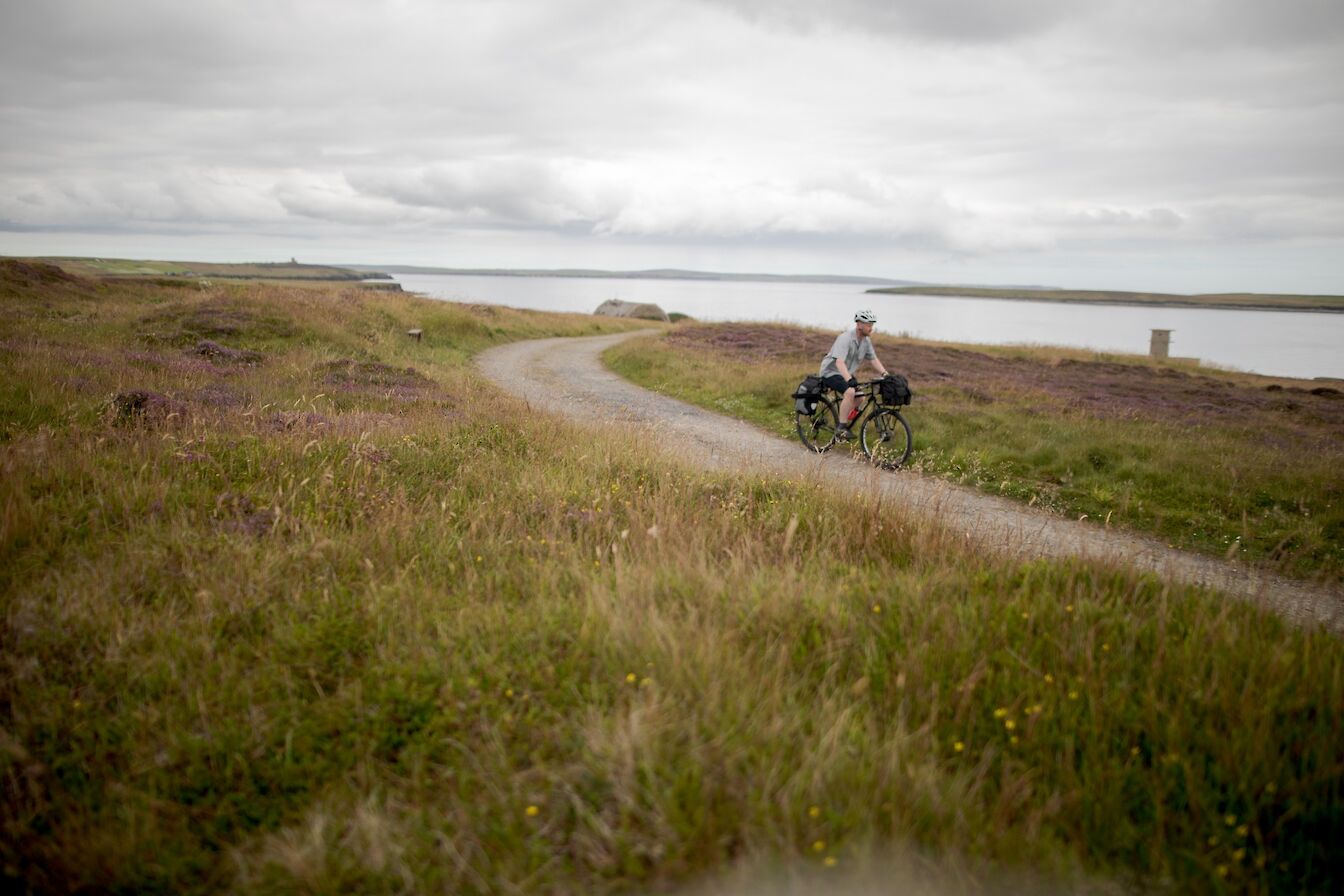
[[390, 637]]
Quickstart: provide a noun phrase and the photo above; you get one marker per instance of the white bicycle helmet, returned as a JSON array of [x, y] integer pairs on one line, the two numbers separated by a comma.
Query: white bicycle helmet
[[865, 317]]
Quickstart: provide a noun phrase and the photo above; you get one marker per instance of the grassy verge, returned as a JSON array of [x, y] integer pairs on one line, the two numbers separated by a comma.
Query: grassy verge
[[1224, 464], [135, 268], [342, 619]]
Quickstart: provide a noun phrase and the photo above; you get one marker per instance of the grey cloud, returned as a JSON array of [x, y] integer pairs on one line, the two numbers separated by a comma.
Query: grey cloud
[[968, 127], [1213, 24], [90, 52], [1115, 220], [599, 200], [1270, 219], [181, 197], [331, 204], [498, 192], [1192, 24], [954, 20]]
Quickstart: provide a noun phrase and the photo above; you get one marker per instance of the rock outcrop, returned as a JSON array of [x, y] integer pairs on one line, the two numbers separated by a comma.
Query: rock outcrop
[[641, 310]]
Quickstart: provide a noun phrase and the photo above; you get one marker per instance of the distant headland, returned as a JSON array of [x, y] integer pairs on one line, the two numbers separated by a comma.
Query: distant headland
[[1242, 301], [654, 274]]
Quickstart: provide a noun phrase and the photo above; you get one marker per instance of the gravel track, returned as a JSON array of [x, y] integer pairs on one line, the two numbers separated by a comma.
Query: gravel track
[[566, 376]]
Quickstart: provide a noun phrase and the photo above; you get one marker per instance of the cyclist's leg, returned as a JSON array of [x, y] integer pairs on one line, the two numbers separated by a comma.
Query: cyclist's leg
[[847, 406], [840, 386]]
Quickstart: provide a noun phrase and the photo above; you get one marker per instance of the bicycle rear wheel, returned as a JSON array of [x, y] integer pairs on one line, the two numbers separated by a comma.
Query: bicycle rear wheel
[[886, 438], [817, 430]]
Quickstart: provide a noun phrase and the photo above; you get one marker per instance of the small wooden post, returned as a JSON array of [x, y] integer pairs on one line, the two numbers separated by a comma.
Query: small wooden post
[[415, 334], [1159, 347]]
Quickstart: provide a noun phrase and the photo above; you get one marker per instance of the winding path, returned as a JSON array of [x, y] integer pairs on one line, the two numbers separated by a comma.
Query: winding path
[[566, 376]]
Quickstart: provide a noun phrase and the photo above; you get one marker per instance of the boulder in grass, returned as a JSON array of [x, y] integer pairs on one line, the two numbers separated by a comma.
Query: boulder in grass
[[237, 513], [142, 406], [351, 373], [225, 355], [640, 310]]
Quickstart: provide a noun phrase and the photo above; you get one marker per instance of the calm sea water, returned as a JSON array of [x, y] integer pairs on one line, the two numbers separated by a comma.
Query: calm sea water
[[1280, 343]]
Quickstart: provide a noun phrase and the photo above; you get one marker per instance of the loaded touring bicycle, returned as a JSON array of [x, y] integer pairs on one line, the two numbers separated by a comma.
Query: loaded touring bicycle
[[884, 434]]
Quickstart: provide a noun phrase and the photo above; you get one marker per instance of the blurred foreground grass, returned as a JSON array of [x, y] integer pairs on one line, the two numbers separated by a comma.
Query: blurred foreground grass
[[342, 618]]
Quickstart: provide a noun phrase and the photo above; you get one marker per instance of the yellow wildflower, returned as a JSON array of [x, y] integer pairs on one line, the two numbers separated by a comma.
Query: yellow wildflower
[[818, 845], [958, 746], [532, 811], [631, 677], [829, 862], [813, 811]]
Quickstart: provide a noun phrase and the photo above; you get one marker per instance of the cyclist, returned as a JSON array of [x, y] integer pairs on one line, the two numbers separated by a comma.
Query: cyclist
[[852, 347]]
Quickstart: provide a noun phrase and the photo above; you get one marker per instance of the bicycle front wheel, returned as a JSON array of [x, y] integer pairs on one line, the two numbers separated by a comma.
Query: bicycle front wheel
[[817, 430], [886, 438]]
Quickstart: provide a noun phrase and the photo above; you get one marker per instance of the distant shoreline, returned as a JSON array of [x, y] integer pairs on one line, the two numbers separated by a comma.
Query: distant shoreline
[[655, 274], [1222, 302], [360, 274]]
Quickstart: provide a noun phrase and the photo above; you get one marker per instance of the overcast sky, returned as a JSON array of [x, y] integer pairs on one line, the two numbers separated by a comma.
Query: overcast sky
[[1135, 144]]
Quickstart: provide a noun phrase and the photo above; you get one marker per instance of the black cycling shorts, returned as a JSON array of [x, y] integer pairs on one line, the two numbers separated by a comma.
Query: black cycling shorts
[[836, 383]]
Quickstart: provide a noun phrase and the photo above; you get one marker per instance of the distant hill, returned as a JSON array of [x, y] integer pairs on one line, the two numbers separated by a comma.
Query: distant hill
[[654, 274], [1242, 301], [266, 270]]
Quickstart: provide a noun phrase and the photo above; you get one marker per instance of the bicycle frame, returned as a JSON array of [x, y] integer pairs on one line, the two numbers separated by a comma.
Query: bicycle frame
[[884, 435], [865, 400]]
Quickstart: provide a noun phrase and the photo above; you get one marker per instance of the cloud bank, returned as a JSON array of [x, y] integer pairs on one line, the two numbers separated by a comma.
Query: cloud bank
[[1130, 144]]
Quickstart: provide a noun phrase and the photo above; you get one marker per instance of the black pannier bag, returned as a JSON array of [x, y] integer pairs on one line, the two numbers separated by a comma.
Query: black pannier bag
[[806, 395], [895, 390]]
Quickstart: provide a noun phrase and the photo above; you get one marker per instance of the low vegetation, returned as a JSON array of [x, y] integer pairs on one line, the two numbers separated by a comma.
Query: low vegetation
[[271, 270], [1226, 464], [331, 615]]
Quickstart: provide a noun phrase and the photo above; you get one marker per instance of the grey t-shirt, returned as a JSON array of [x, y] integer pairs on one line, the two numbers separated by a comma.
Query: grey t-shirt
[[852, 349]]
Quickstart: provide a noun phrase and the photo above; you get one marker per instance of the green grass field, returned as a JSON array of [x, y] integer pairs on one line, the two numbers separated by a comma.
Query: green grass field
[[342, 618], [141, 268]]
